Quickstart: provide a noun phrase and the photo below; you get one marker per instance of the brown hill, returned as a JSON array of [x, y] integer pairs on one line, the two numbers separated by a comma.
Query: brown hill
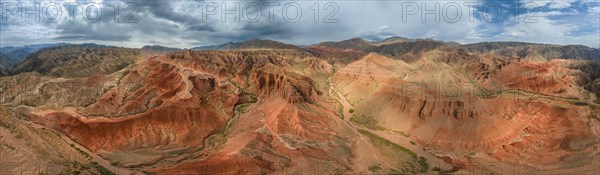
[[358, 44], [265, 44], [533, 51], [159, 49], [76, 61], [450, 112], [407, 50], [397, 39]]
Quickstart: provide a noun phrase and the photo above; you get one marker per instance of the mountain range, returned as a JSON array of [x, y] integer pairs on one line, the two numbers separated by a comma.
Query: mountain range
[[250, 44], [15, 54], [395, 106], [159, 48]]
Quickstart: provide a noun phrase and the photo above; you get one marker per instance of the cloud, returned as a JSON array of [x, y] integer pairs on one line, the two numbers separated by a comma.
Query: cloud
[[531, 4], [168, 11], [380, 33], [92, 32], [553, 27], [561, 4], [552, 4], [202, 28], [181, 23]]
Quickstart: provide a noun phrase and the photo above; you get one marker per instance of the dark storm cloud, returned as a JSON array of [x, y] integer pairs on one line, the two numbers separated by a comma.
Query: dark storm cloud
[[207, 28], [151, 18], [265, 29], [94, 27], [164, 9], [94, 37], [82, 31]]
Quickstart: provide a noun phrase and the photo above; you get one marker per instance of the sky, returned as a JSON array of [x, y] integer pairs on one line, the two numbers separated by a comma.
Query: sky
[[192, 23]]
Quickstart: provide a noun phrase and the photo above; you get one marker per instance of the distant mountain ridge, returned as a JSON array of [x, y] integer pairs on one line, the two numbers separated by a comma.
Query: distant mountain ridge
[[401, 48], [224, 46], [159, 48], [533, 50], [395, 46], [398, 39], [16, 54], [76, 60], [354, 43], [3, 64], [4, 60], [249, 44], [32, 46]]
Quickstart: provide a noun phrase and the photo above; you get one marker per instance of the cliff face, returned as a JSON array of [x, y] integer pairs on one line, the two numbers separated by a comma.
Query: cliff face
[[293, 87], [262, 73]]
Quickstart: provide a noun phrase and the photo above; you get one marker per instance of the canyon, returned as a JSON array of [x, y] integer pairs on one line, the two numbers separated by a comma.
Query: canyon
[[396, 106]]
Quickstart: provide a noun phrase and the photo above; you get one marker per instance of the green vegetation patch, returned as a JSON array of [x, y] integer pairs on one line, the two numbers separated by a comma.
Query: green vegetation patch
[[375, 168], [81, 151], [102, 170], [88, 168], [580, 103], [394, 150], [242, 108], [381, 142], [594, 106], [367, 121], [423, 164], [488, 94], [596, 117], [4, 124]]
